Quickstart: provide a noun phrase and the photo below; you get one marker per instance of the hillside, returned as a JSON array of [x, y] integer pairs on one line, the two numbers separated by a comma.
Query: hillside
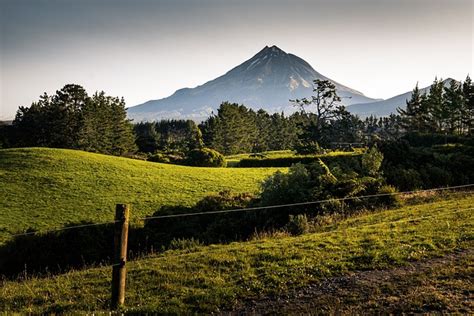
[[47, 188], [268, 80], [214, 278]]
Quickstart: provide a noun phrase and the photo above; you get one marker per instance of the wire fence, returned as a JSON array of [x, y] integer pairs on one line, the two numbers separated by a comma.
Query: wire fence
[[257, 208], [301, 203], [359, 227]]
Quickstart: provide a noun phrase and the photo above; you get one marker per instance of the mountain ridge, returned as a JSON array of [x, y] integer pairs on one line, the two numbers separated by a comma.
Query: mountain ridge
[[268, 80], [390, 105]]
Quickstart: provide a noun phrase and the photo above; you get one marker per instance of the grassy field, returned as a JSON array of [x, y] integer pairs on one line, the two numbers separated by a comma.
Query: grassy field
[[46, 188], [217, 277]]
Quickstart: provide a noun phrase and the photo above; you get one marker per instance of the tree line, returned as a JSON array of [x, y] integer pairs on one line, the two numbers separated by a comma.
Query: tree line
[[73, 119], [98, 123], [444, 109]]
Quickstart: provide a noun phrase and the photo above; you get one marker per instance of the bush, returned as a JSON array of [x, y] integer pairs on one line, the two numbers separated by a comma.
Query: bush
[[57, 251], [371, 161], [332, 206], [297, 225], [167, 157], [284, 188], [210, 228], [205, 157], [137, 156], [308, 148], [435, 177], [391, 199], [185, 244], [404, 179], [159, 157]]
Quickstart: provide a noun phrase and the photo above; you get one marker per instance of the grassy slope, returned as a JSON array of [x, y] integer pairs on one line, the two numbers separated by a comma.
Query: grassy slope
[[210, 278], [45, 188]]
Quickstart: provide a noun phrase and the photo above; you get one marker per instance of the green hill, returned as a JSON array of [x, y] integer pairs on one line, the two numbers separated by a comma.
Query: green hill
[[212, 278], [44, 188]]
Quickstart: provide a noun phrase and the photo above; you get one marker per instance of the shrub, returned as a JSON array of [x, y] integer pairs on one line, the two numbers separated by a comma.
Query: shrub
[[332, 206], [297, 225], [205, 157], [57, 251], [174, 157], [391, 199], [137, 156], [185, 243], [435, 176], [224, 200], [210, 228], [371, 161], [281, 188], [159, 157], [404, 179], [308, 148]]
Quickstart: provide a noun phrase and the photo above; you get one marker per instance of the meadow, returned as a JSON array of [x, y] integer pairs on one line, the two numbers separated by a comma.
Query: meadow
[[44, 188], [215, 278]]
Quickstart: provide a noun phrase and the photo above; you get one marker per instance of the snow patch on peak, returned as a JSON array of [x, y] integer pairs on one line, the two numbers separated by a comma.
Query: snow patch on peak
[[294, 84], [253, 63]]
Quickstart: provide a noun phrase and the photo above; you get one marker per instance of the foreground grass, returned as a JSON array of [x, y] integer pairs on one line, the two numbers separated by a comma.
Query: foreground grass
[[213, 278], [44, 188], [434, 285]]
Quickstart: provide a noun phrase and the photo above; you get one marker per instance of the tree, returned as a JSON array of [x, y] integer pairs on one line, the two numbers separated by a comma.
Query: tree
[[233, 130], [347, 128], [439, 114], [468, 110], [412, 115], [371, 161], [283, 132], [178, 135], [264, 124], [123, 139], [147, 138], [453, 105], [72, 119], [325, 105], [53, 121]]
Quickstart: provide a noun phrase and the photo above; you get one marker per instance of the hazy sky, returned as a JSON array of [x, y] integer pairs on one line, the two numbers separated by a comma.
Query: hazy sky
[[144, 49]]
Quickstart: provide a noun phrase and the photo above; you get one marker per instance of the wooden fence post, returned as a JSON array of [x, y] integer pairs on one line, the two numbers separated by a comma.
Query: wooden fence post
[[120, 255]]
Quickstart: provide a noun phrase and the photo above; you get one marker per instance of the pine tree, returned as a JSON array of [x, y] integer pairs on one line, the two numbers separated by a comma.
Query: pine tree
[[453, 105], [123, 139], [468, 110], [439, 114], [233, 130], [264, 127], [412, 119]]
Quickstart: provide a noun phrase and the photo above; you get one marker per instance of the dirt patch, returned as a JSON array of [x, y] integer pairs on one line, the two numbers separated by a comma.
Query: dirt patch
[[437, 285]]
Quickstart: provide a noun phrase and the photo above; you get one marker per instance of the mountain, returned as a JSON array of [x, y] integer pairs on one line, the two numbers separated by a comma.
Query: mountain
[[268, 80], [388, 106]]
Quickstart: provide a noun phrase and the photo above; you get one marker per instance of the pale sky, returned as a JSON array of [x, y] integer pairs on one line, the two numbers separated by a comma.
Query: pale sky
[[144, 49]]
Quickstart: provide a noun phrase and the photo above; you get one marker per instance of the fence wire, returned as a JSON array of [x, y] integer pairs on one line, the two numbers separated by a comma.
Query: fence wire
[[302, 203], [257, 208]]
